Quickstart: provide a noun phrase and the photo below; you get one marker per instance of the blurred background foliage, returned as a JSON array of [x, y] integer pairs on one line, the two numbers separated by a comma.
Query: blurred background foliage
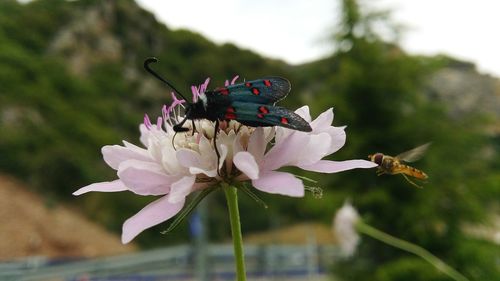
[[71, 81]]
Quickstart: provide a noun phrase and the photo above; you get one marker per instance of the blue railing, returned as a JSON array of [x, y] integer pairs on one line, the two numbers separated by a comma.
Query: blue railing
[[270, 262]]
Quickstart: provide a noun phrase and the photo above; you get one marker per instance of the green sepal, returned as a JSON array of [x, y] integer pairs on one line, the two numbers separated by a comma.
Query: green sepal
[[189, 208], [243, 187]]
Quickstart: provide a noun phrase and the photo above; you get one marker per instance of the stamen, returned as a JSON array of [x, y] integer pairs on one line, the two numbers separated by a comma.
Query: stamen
[[147, 122], [164, 112], [196, 93], [159, 122], [204, 86], [227, 83], [176, 101], [234, 79], [168, 118]]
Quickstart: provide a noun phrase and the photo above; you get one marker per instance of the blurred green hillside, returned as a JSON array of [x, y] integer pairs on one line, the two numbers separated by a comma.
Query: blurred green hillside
[[71, 81]]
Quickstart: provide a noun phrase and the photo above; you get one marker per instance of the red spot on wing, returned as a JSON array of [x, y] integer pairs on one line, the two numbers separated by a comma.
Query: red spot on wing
[[230, 110], [223, 91], [263, 109], [248, 84], [267, 83], [260, 115], [230, 115], [284, 120], [255, 91]]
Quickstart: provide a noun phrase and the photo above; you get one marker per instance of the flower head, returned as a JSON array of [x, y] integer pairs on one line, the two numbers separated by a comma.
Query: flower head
[[344, 228], [173, 165]]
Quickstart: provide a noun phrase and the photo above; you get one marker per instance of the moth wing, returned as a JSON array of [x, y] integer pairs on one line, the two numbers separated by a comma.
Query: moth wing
[[268, 90], [259, 115], [415, 154]]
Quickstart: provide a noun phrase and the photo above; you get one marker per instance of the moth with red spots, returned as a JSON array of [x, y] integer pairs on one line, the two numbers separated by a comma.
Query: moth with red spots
[[251, 103]]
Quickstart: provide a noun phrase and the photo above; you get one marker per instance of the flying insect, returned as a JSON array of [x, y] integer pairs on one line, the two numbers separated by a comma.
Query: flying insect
[[395, 165]]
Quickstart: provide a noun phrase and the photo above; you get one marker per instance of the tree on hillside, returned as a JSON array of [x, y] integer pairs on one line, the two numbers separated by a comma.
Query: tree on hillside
[[379, 92]]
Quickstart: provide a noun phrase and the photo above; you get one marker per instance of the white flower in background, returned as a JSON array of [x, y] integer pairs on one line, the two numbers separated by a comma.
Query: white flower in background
[[173, 165], [344, 229]]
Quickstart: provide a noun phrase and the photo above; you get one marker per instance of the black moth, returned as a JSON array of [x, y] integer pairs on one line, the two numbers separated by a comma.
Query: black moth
[[251, 103]]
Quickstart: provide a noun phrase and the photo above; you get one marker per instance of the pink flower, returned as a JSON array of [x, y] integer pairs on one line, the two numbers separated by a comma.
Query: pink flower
[[294, 148], [175, 165]]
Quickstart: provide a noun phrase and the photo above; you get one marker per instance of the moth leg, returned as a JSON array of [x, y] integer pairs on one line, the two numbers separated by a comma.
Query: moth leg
[[411, 182], [194, 127], [173, 139], [216, 130]]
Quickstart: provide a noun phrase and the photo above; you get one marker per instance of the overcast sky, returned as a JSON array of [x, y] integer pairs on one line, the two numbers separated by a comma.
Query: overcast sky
[[297, 30]]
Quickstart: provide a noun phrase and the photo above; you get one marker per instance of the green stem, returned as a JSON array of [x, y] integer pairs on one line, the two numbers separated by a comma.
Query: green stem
[[234, 218], [409, 247]]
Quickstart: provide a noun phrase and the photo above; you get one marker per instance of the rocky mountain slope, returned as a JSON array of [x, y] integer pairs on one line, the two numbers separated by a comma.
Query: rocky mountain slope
[[32, 227]]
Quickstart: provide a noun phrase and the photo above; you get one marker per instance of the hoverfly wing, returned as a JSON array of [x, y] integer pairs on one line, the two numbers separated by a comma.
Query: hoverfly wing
[[413, 155], [262, 115], [268, 90]]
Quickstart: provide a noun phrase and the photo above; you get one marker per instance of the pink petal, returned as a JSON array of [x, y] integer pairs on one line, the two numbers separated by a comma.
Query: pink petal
[[237, 147], [107, 186], [145, 178], [199, 165], [181, 188], [338, 138], [115, 154], [304, 113], [145, 135], [136, 149], [323, 121], [327, 166], [314, 150], [188, 158], [209, 173], [285, 151], [279, 183], [257, 144], [156, 212], [245, 162], [223, 150]]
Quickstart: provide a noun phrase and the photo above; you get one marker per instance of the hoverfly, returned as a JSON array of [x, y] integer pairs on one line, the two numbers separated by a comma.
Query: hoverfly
[[393, 165]]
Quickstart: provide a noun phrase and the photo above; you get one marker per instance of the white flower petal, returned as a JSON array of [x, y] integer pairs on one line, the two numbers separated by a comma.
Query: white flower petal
[[284, 152], [279, 183], [208, 173], [257, 144], [145, 178], [323, 121], [314, 150], [223, 151], [170, 162], [181, 188], [304, 113], [145, 135], [245, 162], [137, 149], [115, 154], [344, 228], [328, 166], [156, 212], [338, 138], [107, 186], [188, 158]]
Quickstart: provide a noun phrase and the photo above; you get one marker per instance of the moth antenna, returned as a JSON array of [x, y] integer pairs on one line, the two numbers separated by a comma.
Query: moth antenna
[[147, 62]]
